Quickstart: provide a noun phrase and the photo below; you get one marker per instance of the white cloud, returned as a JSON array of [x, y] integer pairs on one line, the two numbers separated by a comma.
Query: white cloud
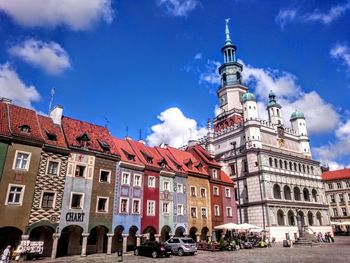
[[50, 57], [341, 52], [290, 15], [198, 56], [12, 87], [291, 96], [178, 7], [217, 110], [175, 129], [75, 14], [210, 75]]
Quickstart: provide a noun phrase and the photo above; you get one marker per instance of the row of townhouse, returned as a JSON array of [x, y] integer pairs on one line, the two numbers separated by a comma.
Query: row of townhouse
[[74, 186]]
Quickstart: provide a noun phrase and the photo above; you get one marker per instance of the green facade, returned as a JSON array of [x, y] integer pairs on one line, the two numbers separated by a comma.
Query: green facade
[[3, 153]]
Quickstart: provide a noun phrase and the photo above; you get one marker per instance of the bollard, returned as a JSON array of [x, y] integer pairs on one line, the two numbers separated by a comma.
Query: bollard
[[120, 255]]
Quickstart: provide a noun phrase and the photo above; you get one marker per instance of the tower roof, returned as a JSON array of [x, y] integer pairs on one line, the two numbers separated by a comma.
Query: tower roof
[[248, 97], [272, 100], [297, 115]]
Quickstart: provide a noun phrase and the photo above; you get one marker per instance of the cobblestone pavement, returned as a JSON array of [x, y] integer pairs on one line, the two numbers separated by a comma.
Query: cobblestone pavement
[[336, 252]]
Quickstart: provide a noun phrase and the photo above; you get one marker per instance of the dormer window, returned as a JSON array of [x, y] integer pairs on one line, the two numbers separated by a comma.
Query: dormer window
[[51, 136], [149, 160], [199, 166], [25, 129], [188, 163], [104, 145], [130, 157], [215, 173], [83, 139]]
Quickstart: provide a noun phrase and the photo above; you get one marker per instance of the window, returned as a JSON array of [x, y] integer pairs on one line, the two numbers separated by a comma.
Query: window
[[204, 212], [245, 166], [341, 198], [349, 197], [151, 181], [330, 186], [203, 193], [21, 161], [76, 201], [166, 208], [47, 200], [79, 171], [24, 129], [137, 180], [270, 162], [180, 209], [215, 173], [332, 198], [194, 212], [136, 206], [227, 193], [151, 208], [229, 211], [102, 204], [180, 188], [215, 190], [166, 185], [52, 167], [343, 209], [105, 176], [335, 212], [347, 184], [125, 178], [193, 191], [51, 136], [124, 204], [339, 185], [216, 210], [233, 169], [15, 195]]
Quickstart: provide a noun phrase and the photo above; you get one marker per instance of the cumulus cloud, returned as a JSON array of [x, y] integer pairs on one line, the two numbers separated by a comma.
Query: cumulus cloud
[[50, 57], [289, 15], [12, 87], [175, 129], [342, 53], [75, 14], [210, 75], [198, 56], [178, 7]]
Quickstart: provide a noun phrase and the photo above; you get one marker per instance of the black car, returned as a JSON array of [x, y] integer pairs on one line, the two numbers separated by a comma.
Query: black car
[[153, 249]]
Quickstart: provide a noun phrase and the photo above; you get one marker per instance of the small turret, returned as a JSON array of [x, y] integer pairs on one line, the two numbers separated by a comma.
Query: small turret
[[274, 110], [298, 122], [250, 114]]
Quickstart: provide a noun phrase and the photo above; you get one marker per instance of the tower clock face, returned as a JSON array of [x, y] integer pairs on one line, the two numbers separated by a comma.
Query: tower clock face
[[230, 71]]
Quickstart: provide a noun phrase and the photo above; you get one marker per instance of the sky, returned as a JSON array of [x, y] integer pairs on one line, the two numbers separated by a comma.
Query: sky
[[149, 67]]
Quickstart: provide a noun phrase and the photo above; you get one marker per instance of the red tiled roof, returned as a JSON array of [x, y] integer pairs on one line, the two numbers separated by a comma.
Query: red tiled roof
[[172, 163], [4, 121], [19, 117], [125, 149], [336, 175], [142, 152], [74, 129], [204, 155], [225, 178], [48, 127]]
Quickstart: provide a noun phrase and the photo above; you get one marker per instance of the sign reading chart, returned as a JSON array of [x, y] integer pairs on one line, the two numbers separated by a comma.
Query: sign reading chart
[[75, 217]]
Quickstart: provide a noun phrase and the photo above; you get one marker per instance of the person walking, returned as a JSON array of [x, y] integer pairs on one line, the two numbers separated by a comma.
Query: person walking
[[5, 257]]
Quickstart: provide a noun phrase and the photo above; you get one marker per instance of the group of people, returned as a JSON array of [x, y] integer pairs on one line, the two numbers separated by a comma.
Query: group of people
[[244, 240], [327, 238]]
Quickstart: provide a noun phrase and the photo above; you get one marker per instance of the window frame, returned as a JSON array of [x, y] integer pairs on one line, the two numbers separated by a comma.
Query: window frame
[[81, 165], [227, 190], [58, 166], [128, 178], [108, 178], [15, 160], [154, 181], [339, 185], [20, 198], [81, 200], [166, 181], [182, 209], [107, 204], [42, 198], [154, 208], [205, 192], [216, 191], [228, 208], [182, 188], [195, 191], [206, 212], [120, 205], [216, 210], [168, 212], [195, 208], [140, 181], [132, 207], [215, 174]]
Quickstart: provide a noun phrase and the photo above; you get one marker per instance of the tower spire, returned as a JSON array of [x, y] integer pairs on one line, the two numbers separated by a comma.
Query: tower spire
[[227, 32]]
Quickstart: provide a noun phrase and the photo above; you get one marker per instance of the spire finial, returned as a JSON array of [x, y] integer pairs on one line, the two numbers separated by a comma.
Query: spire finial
[[227, 31]]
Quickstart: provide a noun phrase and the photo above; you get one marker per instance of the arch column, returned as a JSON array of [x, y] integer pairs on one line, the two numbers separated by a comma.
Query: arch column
[[157, 237], [138, 240], [55, 238], [125, 242], [198, 236], [109, 243], [84, 244]]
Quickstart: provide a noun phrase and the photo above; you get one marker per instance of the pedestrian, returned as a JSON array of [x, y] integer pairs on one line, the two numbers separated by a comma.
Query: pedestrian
[[5, 257]]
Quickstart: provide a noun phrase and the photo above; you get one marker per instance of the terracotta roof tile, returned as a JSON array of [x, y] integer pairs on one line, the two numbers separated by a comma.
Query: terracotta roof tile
[[225, 178], [336, 175], [143, 153], [204, 155], [4, 121], [49, 129], [173, 164], [124, 150]]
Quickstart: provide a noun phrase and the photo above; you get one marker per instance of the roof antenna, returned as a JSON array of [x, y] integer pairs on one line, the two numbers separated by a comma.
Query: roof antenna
[[107, 122], [52, 94], [140, 134], [127, 131]]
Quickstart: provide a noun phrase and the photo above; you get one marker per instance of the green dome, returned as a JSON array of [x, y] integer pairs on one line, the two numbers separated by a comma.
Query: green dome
[[297, 115], [248, 96]]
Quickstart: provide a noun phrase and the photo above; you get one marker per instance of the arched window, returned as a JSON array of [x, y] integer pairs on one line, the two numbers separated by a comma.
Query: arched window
[[277, 191], [312, 170], [281, 164], [319, 218], [276, 163], [306, 194], [285, 165], [296, 193], [290, 166], [278, 112], [304, 168], [280, 217], [295, 167], [310, 218], [291, 219], [308, 169], [302, 217], [314, 195], [299, 166], [287, 193], [270, 162]]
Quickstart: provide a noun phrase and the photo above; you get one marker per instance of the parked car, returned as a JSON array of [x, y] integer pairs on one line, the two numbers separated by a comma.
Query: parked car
[[153, 249], [182, 245]]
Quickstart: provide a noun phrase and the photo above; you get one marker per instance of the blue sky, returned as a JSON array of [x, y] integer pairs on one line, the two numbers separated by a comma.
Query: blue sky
[[151, 65]]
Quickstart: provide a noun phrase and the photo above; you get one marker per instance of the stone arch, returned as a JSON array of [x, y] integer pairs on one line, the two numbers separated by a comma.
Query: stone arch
[[287, 192], [165, 233], [306, 194], [117, 241], [180, 231], [281, 164], [132, 239], [276, 163], [10, 236], [291, 218], [277, 191], [285, 165], [193, 232], [295, 167], [270, 162], [314, 195], [310, 218], [43, 233], [97, 241], [290, 166], [280, 217], [69, 242], [204, 233], [296, 191], [150, 231], [319, 218]]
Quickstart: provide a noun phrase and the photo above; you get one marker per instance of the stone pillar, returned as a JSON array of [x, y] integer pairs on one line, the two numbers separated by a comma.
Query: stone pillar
[[198, 236], [55, 238], [138, 240], [157, 237], [84, 244], [300, 230], [125, 242], [109, 243]]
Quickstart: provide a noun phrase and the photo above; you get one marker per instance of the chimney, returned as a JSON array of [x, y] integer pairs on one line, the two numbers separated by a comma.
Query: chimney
[[142, 141], [56, 114], [192, 143], [5, 100]]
